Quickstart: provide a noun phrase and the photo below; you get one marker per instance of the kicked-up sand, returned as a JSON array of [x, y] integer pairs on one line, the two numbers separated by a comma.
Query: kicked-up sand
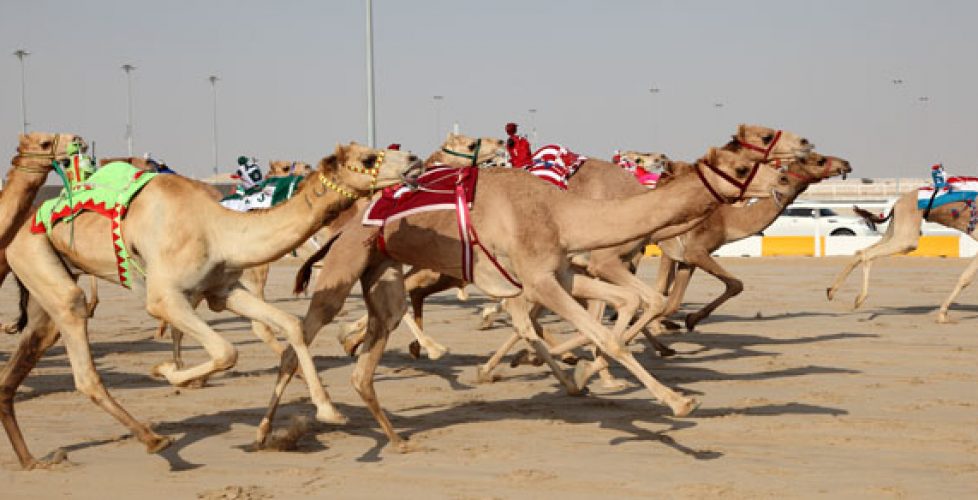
[[801, 397]]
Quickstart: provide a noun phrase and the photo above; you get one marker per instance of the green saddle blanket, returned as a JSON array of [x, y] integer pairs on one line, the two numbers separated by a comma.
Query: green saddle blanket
[[269, 193], [108, 192]]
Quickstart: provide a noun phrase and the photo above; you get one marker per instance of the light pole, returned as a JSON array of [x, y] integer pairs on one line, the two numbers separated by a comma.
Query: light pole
[[128, 68], [653, 90], [533, 123], [213, 79], [437, 103], [21, 54], [371, 124]]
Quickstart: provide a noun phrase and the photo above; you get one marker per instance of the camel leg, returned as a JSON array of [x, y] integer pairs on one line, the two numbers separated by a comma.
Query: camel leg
[[733, 286], [161, 330], [174, 307], [893, 246], [93, 291], [352, 334], [243, 302], [552, 295], [385, 302], [521, 311], [254, 280], [488, 315], [39, 335], [663, 279], [484, 371], [963, 281], [326, 303], [420, 285]]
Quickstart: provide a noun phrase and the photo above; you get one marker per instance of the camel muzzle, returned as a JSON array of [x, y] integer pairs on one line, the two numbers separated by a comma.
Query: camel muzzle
[[410, 176]]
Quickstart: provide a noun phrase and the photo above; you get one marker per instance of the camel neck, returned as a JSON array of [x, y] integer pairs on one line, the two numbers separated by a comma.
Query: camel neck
[[260, 236], [741, 222], [587, 224], [16, 198]]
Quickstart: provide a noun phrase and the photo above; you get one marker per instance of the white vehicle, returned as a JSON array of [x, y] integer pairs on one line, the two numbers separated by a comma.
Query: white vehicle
[[799, 219]]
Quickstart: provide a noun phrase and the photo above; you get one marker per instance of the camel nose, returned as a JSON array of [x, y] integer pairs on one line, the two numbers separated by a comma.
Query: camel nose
[[412, 158], [783, 180]]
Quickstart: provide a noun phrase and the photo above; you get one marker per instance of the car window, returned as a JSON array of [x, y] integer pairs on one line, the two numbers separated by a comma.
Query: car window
[[798, 212], [826, 212]]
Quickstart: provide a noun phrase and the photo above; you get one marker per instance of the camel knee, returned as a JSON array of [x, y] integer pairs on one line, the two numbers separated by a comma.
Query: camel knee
[[614, 348], [735, 287]]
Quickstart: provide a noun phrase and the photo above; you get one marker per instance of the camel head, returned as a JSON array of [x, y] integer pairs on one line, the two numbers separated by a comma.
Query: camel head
[[357, 170], [763, 143], [463, 151], [37, 150], [730, 177], [285, 168], [816, 167], [651, 162]]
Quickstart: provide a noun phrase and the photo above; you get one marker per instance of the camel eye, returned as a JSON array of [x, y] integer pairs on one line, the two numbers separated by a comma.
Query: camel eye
[[45, 144], [821, 161], [640, 161], [742, 171], [767, 138], [472, 147], [369, 161]]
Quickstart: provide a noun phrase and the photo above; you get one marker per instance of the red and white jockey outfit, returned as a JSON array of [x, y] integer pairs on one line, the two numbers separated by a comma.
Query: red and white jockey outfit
[[555, 164]]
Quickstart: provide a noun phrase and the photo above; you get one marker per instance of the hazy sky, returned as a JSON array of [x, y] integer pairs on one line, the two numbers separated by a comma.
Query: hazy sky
[[292, 75]]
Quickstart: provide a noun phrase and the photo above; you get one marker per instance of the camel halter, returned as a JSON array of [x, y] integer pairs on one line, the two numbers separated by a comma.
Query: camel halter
[[373, 171], [474, 156], [813, 178], [52, 155], [767, 150], [723, 175]]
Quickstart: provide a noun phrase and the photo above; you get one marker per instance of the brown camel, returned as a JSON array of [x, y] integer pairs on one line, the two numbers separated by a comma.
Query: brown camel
[[902, 236], [528, 228], [188, 249], [685, 253]]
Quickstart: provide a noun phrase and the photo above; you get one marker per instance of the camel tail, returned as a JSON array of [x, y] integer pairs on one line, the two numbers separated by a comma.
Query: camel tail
[[870, 216], [22, 305], [302, 276]]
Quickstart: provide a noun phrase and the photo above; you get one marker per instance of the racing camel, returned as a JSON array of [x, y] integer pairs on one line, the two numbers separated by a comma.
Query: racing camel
[[526, 229], [189, 249], [902, 236]]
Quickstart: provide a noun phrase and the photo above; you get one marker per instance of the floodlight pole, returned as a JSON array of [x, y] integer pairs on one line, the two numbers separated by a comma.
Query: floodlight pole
[[128, 68], [371, 119], [21, 54], [213, 79]]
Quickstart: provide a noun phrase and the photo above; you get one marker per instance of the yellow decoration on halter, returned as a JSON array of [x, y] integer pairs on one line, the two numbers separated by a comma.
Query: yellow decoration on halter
[[336, 187]]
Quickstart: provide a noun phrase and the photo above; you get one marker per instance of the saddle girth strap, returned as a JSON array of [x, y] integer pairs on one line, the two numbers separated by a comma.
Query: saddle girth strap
[[469, 238], [930, 203]]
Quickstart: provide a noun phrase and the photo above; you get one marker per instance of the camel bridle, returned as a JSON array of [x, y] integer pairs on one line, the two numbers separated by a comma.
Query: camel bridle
[[50, 154], [474, 156], [824, 174], [373, 172], [723, 175]]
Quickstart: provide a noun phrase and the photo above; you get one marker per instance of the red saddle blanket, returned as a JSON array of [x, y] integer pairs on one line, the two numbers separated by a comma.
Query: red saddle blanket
[[434, 190]]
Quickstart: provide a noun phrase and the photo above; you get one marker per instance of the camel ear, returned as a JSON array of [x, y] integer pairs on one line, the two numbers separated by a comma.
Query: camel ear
[[340, 153], [712, 156], [329, 163], [742, 131]]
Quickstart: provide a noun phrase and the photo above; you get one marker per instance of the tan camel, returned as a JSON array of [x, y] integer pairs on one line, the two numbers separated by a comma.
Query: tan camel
[[285, 168], [528, 227], [685, 253], [189, 249], [602, 180], [902, 236], [36, 152]]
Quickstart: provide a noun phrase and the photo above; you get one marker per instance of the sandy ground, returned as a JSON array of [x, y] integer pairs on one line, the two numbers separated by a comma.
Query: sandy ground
[[801, 397]]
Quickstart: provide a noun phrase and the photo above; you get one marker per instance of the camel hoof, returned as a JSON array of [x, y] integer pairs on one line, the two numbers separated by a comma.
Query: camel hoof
[[163, 370], [331, 416], [10, 329], [945, 320], [414, 349], [521, 357], [582, 373], [569, 359], [484, 376], [691, 322], [436, 352], [667, 352], [858, 302], [197, 383], [614, 385], [671, 325], [404, 446], [158, 444], [351, 347], [685, 407]]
